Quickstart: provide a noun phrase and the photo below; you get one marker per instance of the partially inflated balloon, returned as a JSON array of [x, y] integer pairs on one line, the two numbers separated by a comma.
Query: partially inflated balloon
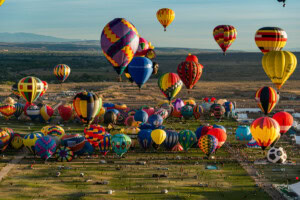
[[32, 111], [187, 139], [19, 109], [30, 88], [45, 88], [171, 139], [170, 85], [208, 144], [46, 113], [279, 66], [55, 131], [119, 42], [285, 121], [189, 72], [64, 154], [224, 36], [30, 139], [87, 105], [104, 144], [243, 134], [120, 143], [266, 99], [265, 131], [62, 72], [158, 136], [4, 139], [144, 138], [140, 69], [270, 39], [165, 16]]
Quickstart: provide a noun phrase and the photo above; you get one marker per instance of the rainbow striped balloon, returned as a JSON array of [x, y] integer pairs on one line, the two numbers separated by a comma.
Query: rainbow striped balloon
[[62, 72], [170, 85]]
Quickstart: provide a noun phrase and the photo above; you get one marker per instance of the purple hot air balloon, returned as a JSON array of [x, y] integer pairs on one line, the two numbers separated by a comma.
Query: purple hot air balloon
[[119, 42]]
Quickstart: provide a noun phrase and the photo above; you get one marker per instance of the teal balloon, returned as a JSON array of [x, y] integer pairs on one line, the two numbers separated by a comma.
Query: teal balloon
[[140, 70], [187, 138], [243, 134], [19, 109], [120, 143]]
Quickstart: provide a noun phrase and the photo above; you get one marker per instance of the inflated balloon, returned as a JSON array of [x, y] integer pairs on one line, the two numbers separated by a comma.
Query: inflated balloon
[[149, 110], [55, 131], [104, 144], [285, 121], [87, 149], [141, 116], [192, 58], [65, 112], [15, 91], [7, 110], [202, 130], [243, 134], [279, 66], [187, 139], [120, 143], [87, 105], [162, 112], [220, 134], [270, 39], [208, 144], [94, 134], [63, 154], [187, 111], [32, 111], [119, 43], [110, 117], [144, 138], [62, 72], [265, 131], [19, 109], [229, 107], [45, 88], [158, 136], [4, 139], [145, 49], [122, 117], [171, 140], [225, 35], [75, 142], [177, 147], [198, 111], [168, 107], [46, 113], [44, 130], [266, 98], [1, 2], [190, 101], [177, 104], [218, 111], [165, 16], [45, 147], [30, 88], [190, 73], [17, 141], [170, 85], [30, 139], [156, 120], [140, 69], [206, 107]]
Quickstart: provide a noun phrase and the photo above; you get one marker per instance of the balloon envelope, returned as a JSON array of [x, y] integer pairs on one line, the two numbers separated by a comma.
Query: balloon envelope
[[45, 147], [120, 143], [62, 72], [285, 121], [144, 138], [140, 69], [266, 98], [189, 73], [165, 16], [208, 144], [30, 88], [224, 35], [170, 85], [171, 140], [187, 139], [158, 136]]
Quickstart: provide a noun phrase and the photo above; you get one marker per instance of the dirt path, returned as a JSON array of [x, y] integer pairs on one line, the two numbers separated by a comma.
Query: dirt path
[[250, 169], [5, 170]]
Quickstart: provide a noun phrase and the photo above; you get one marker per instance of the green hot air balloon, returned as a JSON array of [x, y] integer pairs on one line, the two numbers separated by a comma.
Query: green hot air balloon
[[187, 139], [120, 143]]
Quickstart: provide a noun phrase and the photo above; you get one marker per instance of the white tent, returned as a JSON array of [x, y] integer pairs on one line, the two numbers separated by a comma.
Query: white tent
[[296, 188]]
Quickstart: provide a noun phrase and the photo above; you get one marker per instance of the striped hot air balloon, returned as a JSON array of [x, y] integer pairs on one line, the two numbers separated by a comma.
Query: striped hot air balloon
[[270, 39], [224, 35], [171, 139], [266, 98], [104, 144], [7, 110], [170, 85], [208, 144], [190, 73], [30, 88], [46, 113], [19, 109], [62, 72], [94, 134], [4, 139], [64, 154], [165, 16], [55, 131]]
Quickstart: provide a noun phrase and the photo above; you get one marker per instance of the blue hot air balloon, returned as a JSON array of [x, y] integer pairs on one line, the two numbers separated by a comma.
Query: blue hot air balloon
[[104, 144], [144, 138], [156, 120], [141, 116], [19, 109], [140, 70], [243, 134], [171, 139]]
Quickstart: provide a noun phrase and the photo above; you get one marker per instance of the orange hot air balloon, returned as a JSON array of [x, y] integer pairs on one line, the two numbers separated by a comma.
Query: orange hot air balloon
[[220, 134], [285, 121], [165, 16]]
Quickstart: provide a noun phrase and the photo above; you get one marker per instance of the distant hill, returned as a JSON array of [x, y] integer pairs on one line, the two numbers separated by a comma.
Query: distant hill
[[30, 37]]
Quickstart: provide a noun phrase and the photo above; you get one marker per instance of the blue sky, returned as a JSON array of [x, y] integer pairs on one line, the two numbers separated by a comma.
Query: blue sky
[[192, 27]]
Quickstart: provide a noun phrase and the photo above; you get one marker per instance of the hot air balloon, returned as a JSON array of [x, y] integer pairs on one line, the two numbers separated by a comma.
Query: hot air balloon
[[122, 117], [165, 16], [65, 111], [283, 1], [45, 88], [7, 110], [104, 144], [19, 109], [1, 2], [218, 111], [55, 131], [187, 111], [46, 113], [32, 111], [224, 36], [4, 139], [229, 108], [110, 117], [279, 66], [171, 140], [189, 73], [158, 136], [285, 121], [87, 105], [74, 141], [140, 69], [208, 144], [63, 154], [94, 134], [170, 85], [252, 144], [149, 110], [17, 141], [145, 49], [15, 91], [119, 42], [270, 39], [62, 72], [162, 112], [30, 88], [156, 120], [87, 149], [177, 105], [187, 139], [198, 111], [120, 143], [45, 147], [265, 131], [243, 134], [220, 134], [177, 147], [266, 98], [141, 116], [30, 139], [191, 58], [202, 130], [144, 138]]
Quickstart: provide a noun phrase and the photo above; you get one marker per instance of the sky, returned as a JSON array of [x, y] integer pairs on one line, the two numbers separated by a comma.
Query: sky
[[192, 27]]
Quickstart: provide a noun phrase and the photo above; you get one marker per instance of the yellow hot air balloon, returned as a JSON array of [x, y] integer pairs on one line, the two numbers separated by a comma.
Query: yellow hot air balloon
[[165, 16], [1, 2], [265, 131], [158, 136], [279, 66]]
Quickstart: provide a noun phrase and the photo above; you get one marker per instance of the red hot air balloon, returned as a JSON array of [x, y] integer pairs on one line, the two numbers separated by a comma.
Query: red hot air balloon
[[220, 134], [285, 121], [65, 111], [189, 73], [191, 58]]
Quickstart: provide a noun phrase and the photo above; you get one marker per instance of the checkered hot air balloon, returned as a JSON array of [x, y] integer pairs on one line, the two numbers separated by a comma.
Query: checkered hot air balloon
[[30, 88], [62, 72], [224, 36], [165, 16], [94, 134], [64, 154], [266, 98], [170, 85], [119, 43], [189, 72], [45, 147], [208, 144], [187, 139]]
